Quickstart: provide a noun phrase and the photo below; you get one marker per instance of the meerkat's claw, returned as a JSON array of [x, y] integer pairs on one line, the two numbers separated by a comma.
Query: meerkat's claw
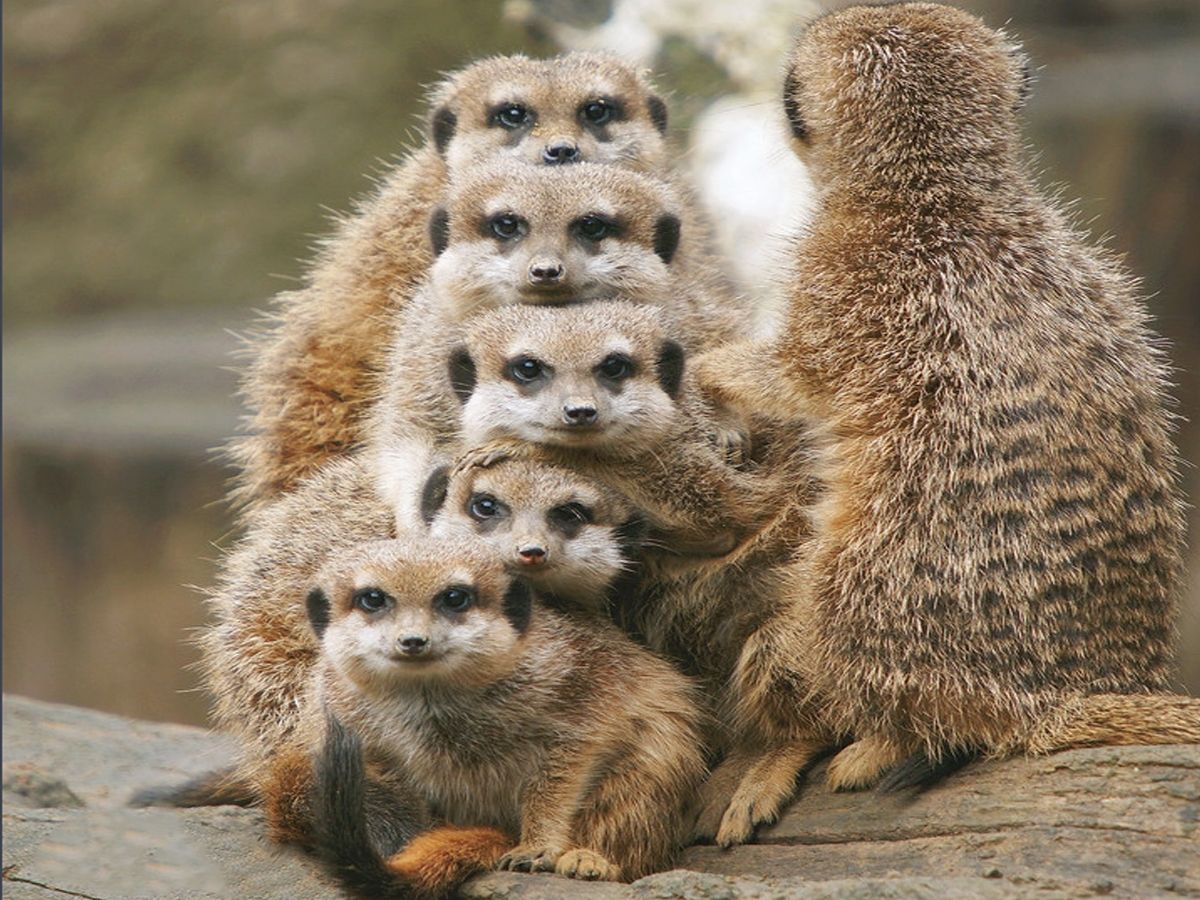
[[530, 858], [587, 865]]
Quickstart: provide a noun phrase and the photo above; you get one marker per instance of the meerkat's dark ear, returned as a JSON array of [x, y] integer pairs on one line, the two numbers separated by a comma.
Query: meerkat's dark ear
[[791, 107], [439, 230], [518, 604], [666, 237], [433, 495], [670, 367], [462, 374], [658, 112], [317, 605], [630, 534], [445, 122]]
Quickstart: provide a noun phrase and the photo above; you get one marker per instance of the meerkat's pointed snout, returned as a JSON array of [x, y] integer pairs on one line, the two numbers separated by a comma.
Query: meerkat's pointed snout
[[560, 152], [413, 645], [546, 271], [532, 554], [580, 413]]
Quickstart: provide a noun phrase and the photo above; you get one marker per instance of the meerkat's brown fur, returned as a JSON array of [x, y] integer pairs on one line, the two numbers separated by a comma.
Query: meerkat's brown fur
[[315, 363], [997, 553]]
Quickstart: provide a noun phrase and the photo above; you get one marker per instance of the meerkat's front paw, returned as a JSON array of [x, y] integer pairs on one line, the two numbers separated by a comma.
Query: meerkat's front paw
[[715, 795], [485, 456], [863, 763], [768, 783], [530, 858], [587, 865]]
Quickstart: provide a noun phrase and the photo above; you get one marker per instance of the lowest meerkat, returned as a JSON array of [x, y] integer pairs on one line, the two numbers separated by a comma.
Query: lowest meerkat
[[996, 553]]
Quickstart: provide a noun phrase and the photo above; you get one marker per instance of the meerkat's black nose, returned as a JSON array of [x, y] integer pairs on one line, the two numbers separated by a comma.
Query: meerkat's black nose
[[413, 644], [579, 415], [531, 555], [546, 272], [557, 154]]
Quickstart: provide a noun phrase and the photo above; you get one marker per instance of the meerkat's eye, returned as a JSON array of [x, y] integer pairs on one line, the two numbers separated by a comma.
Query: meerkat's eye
[[570, 516], [600, 111], [594, 227], [616, 367], [485, 506], [371, 600], [455, 599], [526, 369], [508, 227], [511, 116]]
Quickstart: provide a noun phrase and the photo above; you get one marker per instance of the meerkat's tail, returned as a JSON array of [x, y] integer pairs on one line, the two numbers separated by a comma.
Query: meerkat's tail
[[922, 771], [1110, 719], [221, 787], [428, 865]]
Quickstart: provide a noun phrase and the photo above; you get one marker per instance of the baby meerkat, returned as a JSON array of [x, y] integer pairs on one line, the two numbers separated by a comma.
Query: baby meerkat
[[504, 712], [571, 537], [996, 555], [314, 365]]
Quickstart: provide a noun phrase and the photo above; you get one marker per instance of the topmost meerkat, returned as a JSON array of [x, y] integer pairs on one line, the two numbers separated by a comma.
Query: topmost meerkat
[[312, 369], [996, 556]]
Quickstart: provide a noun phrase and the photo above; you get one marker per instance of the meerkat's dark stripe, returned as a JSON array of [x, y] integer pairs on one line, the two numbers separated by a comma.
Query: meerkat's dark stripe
[[518, 604], [317, 606], [220, 787], [433, 494]]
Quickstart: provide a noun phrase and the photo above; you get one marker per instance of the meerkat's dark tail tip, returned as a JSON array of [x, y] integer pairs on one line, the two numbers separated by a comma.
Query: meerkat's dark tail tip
[[920, 771], [431, 865], [221, 787]]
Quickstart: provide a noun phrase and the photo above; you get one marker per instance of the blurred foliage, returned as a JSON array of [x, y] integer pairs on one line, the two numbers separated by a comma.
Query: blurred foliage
[[164, 154]]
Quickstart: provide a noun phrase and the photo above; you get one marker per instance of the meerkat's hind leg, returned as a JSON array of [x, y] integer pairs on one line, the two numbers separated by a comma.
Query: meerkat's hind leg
[[921, 771], [765, 788], [530, 858], [864, 762]]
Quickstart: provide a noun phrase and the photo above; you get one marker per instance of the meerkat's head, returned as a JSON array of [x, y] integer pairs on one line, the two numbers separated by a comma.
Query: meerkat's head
[[572, 108], [570, 536], [602, 376], [906, 92], [415, 610], [520, 234]]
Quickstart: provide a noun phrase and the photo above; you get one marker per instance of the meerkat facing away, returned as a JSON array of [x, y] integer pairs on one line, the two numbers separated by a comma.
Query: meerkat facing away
[[314, 363], [996, 555], [503, 711]]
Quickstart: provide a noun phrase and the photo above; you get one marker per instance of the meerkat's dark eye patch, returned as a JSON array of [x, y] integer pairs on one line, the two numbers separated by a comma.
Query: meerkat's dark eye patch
[[512, 116], [791, 107], [616, 367], [595, 227], [445, 123], [666, 237], [526, 370], [658, 112], [439, 230], [433, 494], [457, 598], [485, 506], [506, 226], [372, 600], [569, 518], [630, 535], [462, 374], [317, 605], [670, 368], [600, 111], [518, 604]]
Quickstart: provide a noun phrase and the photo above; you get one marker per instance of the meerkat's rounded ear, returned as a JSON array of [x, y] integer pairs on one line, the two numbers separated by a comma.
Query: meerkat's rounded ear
[[317, 605], [439, 230], [666, 237], [518, 604], [443, 125], [791, 107], [670, 367], [462, 374], [433, 494], [658, 112]]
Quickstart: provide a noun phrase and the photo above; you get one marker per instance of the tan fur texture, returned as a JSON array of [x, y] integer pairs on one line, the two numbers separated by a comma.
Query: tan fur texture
[[448, 856], [1001, 526], [314, 364], [511, 714]]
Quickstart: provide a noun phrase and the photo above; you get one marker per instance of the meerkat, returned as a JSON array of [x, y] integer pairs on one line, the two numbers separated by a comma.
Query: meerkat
[[315, 362], [571, 537], [504, 712], [996, 551]]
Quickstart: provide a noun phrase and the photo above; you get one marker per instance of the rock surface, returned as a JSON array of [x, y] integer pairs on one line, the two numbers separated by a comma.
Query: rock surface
[[1108, 821]]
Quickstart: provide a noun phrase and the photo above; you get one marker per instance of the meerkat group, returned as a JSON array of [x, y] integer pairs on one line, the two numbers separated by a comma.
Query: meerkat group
[[536, 534]]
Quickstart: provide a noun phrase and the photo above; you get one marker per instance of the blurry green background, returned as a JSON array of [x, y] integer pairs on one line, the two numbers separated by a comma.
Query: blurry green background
[[167, 164]]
